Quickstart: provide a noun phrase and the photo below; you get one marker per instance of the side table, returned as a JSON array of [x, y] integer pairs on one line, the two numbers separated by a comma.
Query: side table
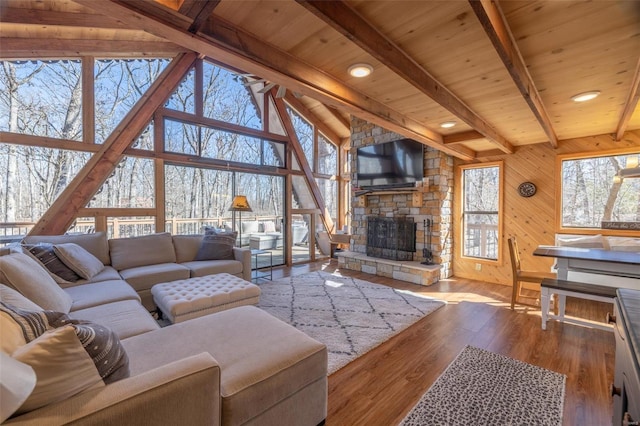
[[256, 273]]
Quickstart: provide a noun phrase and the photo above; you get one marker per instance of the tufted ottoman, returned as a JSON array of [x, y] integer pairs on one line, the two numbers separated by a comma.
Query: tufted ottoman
[[194, 297]]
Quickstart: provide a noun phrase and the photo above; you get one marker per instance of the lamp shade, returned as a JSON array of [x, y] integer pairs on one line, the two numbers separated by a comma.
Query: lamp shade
[[240, 204]]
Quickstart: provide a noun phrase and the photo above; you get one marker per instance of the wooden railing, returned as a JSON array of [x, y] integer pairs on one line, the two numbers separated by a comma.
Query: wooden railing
[[481, 240], [13, 231]]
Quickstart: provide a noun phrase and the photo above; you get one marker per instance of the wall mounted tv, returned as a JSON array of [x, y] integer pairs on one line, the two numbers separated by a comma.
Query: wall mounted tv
[[397, 164]]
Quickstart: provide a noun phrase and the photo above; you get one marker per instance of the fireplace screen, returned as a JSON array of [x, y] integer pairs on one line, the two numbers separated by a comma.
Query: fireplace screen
[[391, 238]]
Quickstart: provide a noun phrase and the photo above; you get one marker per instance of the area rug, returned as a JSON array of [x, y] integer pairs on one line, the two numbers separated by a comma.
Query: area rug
[[350, 316], [484, 388]]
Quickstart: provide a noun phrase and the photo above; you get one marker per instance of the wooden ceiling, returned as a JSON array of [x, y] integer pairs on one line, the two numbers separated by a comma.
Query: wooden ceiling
[[504, 71]]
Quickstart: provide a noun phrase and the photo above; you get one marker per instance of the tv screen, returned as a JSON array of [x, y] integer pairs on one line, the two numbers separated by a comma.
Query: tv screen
[[394, 164]]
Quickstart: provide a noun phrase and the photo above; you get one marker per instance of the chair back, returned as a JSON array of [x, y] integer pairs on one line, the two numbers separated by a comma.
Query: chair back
[[515, 257]]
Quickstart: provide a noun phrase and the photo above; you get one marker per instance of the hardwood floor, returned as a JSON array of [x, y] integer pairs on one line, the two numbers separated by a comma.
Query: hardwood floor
[[380, 387]]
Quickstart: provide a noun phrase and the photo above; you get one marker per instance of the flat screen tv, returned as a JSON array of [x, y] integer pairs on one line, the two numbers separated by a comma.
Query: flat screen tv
[[397, 164]]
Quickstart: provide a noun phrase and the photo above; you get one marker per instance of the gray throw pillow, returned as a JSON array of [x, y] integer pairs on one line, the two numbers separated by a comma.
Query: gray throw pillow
[[217, 246], [80, 260]]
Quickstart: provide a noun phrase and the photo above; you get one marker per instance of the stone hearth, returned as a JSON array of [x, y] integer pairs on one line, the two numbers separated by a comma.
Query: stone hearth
[[410, 271]]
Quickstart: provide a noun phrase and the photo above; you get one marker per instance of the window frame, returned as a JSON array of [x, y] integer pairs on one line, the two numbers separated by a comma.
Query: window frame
[[559, 228], [500, 214]]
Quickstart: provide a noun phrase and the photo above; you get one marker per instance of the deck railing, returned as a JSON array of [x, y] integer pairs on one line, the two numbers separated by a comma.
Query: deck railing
[[122, 227]]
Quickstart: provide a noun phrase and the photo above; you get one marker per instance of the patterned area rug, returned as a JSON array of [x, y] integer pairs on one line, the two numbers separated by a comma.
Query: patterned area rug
[[484, 388], [348, 315]]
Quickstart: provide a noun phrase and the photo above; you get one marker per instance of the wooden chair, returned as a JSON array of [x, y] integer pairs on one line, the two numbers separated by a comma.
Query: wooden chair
[[520, 276]]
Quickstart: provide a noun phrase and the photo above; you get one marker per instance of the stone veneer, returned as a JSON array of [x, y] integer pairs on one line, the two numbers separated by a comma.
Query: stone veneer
[[432, 200]]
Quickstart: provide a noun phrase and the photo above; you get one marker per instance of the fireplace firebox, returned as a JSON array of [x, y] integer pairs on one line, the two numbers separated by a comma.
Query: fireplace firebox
[[391, 237]]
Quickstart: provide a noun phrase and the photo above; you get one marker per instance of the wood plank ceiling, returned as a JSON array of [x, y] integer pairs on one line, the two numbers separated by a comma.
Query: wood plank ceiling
[[503, 71]]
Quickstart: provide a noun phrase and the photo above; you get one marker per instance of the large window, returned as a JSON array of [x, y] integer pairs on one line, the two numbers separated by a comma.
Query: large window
[[600, 191], [481, 210]]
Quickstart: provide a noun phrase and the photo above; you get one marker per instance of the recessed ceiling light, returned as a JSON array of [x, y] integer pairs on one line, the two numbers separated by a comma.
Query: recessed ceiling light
[[360, 70], [448, 124], [585, 96]]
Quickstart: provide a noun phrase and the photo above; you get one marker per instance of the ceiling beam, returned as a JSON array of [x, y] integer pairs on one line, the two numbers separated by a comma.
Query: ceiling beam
[[227, 44], [462, 137], [336, 114], [495, 25], [199, 11], [36, 48], [40, 17], [349, 23], [58, 218], [630, 105]]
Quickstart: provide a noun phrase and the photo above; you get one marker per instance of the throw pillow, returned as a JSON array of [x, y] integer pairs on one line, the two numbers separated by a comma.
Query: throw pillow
[[18, 381], [269, 227], [23, 326], [45, 254], [217, 246], [24, 274], [595, 241], [69, 356], [81, 261], [63, 368]]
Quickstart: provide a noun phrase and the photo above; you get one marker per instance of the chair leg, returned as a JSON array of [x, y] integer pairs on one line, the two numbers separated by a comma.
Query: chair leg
[[514, 294]]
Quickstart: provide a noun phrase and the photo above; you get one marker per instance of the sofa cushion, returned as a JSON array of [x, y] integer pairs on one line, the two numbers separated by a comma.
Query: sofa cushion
[[624, 244], [80, 260], [107, 274], [263, 360], [45, 254], [144, 277], [186, 247], [269, 226], [15, 298], [133, 252], [125, 318], [250, 227], [94, 294], [201, 268], [217, 246], [32, 280], [95, 243]]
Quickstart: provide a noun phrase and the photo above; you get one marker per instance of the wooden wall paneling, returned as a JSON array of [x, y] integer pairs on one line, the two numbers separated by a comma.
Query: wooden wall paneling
[[60, 215], [531, 220]]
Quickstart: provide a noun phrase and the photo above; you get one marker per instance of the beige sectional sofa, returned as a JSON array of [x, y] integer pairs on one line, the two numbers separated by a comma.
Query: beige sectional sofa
[[241, 366], [150, 259]]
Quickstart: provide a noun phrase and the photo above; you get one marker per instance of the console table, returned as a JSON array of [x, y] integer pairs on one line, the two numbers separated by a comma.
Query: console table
[[626, 383]]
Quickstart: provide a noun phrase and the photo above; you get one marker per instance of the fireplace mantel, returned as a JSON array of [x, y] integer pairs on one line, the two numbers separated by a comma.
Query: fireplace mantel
[[414, 201]]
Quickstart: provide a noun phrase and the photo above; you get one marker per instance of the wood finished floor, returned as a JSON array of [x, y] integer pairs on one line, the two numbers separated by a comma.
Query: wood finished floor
[[381, 387]]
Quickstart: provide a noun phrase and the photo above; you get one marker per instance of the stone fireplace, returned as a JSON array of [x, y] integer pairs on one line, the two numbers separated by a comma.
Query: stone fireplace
[[430, 200], [391, 237]]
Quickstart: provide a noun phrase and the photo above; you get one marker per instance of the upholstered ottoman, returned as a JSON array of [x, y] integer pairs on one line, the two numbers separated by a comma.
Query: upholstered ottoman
[[194, 297]]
